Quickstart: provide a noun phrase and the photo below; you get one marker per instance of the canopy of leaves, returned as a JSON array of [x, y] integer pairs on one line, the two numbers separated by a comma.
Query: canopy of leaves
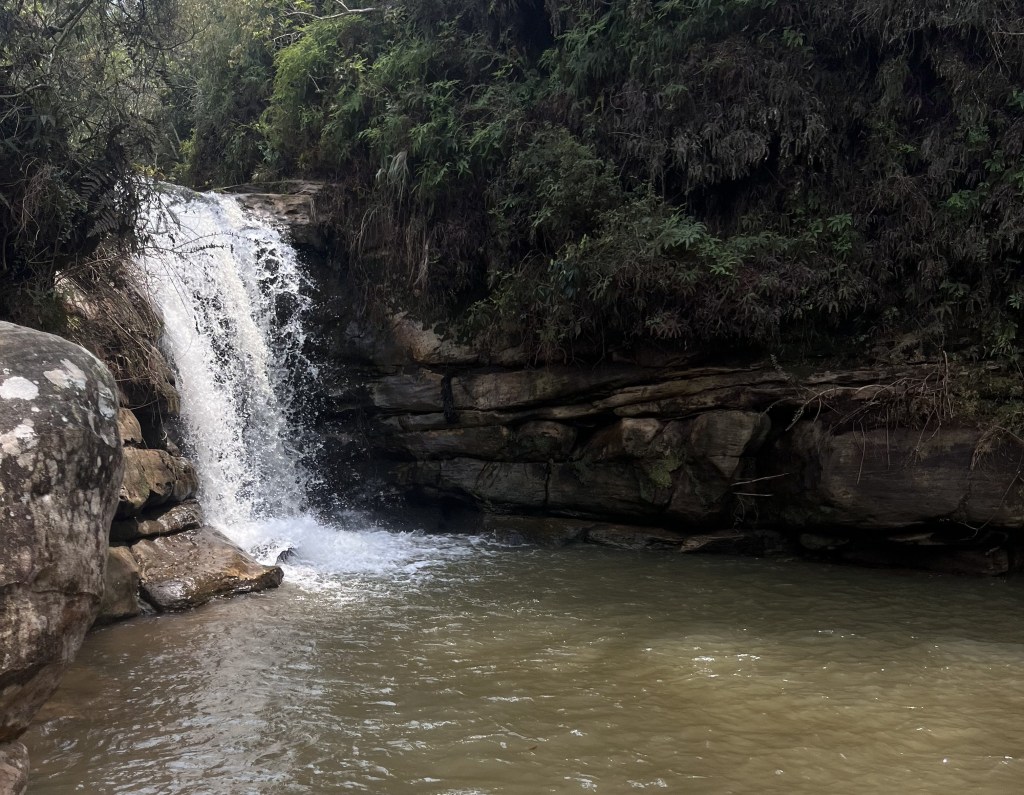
[[591, 173]]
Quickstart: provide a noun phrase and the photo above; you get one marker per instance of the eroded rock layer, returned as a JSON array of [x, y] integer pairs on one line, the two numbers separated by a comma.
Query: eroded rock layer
[[744, 457], [700, 453]]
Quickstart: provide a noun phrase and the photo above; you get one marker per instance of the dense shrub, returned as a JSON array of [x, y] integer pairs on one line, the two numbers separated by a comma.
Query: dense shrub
[[78, 93]]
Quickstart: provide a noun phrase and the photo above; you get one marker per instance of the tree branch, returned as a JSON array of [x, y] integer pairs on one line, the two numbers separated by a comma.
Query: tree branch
[[347, 12]]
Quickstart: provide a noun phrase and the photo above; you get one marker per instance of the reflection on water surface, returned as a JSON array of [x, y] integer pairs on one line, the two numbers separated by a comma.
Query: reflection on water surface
[[580, 670]]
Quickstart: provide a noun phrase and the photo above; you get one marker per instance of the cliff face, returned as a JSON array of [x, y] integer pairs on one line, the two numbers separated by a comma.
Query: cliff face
[[737, 457]]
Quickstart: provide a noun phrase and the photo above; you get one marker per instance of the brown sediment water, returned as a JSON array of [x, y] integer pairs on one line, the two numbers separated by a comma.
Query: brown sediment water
[[526, 671]]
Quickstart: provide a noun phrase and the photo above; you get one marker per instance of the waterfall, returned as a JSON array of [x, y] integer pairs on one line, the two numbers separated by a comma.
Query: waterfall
[[231, 293], [234, 300]]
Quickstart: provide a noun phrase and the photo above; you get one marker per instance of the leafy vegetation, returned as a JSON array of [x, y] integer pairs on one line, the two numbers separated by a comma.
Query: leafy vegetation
[[586, 175], [78, 99]]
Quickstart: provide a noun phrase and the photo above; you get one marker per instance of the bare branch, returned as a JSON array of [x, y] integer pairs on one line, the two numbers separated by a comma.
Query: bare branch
[[347, 12]]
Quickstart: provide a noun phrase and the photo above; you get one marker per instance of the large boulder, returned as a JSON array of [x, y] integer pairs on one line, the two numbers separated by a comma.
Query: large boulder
[[60, 469], [191, 568]]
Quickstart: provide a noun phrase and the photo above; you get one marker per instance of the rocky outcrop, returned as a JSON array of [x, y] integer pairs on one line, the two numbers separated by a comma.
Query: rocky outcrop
[[188, 569], [60, 467], [291, 203], [894, 478], [721, 455], [743, 457], [163, 557]]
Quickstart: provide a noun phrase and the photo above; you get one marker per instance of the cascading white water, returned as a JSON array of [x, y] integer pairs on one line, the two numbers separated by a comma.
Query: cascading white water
[[233, 297], [230, 291]]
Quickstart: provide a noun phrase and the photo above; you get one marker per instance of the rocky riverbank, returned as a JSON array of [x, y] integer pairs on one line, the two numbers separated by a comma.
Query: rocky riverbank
[[99, 521], [740, 458], [162, 556]]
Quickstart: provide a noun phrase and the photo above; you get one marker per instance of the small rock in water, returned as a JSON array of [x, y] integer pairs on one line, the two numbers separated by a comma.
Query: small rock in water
[[287, 556]]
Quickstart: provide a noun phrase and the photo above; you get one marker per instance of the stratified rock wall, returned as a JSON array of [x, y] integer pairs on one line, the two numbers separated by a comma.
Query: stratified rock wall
[[60, 469], [740, 457]]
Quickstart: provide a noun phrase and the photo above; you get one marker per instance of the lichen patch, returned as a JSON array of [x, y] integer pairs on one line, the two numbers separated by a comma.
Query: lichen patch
[[18, 388], [68, 376], [19, 440]]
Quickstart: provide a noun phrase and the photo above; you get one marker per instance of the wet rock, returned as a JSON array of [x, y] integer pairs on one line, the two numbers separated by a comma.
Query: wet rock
[[734, 542], [153, 477], [491, 483], [889, 479], [971, 562], [542, 531], [724, 438], [519, 388], [424, 346], [292, 203], [819, 543], [121, 587], [189, 569], [700, 390], [631, 537], [416, 392], [60, 467], [922, 539], [699, 498], [159, 521], [287, 556], [540, 440], [624, 488], [490, 442], [13, 769], [628, 438]]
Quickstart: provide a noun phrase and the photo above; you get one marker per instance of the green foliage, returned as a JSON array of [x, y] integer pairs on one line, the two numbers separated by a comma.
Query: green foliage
[[77, 92], [585, 175]]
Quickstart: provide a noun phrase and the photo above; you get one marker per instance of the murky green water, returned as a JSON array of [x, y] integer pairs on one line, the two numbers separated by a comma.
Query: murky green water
[[581, 670]]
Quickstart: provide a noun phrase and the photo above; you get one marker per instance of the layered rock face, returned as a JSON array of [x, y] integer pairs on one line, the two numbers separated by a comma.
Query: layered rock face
[[740, 458], [162, 556], [60, 467]]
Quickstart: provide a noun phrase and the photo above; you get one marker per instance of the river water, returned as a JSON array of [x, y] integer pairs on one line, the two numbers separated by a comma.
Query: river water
[[464, 667], [396, 663]]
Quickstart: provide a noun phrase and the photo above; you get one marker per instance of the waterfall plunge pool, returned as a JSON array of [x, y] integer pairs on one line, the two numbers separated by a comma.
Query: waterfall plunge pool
[[456, 666], [401, 663]]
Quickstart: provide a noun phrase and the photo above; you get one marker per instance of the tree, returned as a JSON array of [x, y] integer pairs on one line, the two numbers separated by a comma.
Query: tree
[[79, 88]]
